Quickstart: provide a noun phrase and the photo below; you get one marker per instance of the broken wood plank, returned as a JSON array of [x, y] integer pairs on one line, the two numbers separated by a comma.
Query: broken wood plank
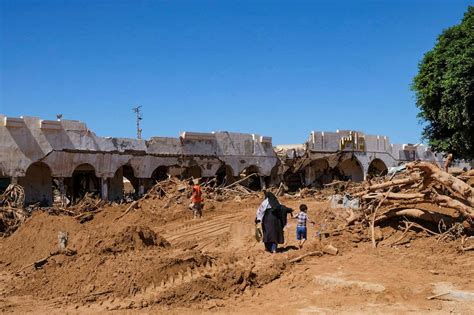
[[314, 253]]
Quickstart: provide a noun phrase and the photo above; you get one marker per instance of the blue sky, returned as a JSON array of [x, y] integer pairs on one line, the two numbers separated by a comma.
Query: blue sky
[[277, 68]]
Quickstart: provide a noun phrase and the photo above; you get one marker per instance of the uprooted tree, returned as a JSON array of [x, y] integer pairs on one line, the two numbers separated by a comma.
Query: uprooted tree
[[423, 197], [444, 88]]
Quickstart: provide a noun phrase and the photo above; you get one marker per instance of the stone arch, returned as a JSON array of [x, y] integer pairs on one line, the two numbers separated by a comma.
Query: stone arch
[[160, 173], [294, 180], [224, 175], [318, 173], [4, 180], [83, 181], [193, 171], [253, 182], [129, 174], [275, 176], [38, 184], [377, 167], [123, 183], [350, 169]]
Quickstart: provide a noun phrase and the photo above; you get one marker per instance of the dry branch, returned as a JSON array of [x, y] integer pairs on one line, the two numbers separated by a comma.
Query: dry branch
[[319, 253], [424, 215], [372, 224]]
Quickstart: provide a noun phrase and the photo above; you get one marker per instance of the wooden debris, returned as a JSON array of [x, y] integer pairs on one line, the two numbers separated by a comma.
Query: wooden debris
[[437, 295], [314, 253], [423, 192], [13, 196]]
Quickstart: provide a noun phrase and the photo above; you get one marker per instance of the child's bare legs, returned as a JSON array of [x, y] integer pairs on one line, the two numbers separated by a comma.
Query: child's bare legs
[[301, 242], [301, 235]]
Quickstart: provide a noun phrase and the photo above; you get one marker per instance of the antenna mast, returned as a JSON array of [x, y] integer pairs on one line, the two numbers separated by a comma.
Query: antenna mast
[[137, 111]]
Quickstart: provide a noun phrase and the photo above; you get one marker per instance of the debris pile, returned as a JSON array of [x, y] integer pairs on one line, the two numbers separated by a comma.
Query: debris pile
[[13, 196], [11, 219], [423, 198], [12, 213]]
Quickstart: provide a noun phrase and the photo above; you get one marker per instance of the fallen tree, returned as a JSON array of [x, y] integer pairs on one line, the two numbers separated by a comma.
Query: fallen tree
[[457, 186], [423, 193]]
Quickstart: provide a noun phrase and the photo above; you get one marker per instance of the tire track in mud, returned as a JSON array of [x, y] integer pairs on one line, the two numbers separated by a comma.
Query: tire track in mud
[[172, 282], [196, 234], [200, 231]]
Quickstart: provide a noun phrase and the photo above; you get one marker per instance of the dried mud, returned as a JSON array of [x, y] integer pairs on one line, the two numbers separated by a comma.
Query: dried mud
[[158, 259]]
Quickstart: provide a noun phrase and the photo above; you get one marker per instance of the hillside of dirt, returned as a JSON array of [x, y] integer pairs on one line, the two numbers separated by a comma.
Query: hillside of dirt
[[155, 257]]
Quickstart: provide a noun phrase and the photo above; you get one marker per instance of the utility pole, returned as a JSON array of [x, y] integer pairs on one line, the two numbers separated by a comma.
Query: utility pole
[[137, 111]]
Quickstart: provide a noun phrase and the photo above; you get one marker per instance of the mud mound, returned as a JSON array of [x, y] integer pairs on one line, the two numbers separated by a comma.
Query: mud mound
[[134, 238], [35, 238]]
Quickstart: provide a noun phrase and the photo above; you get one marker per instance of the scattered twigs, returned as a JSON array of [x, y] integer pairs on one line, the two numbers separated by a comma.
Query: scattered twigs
[[463, 242], [413, 224], [407, 228]]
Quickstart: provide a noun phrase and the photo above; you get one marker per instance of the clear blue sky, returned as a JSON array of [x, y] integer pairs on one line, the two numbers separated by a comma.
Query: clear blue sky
[[277, 68]]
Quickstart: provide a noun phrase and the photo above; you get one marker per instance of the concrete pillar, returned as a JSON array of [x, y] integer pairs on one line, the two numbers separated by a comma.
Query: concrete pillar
[[104, 188], [141, 187], [62, 191], [309, 175]]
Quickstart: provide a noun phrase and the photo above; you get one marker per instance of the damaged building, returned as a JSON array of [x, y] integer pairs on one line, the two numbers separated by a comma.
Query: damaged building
[[344, 155], [65, 155], [48, 155]]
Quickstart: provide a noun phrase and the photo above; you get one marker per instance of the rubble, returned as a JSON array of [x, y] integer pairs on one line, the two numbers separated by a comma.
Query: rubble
[[13, 196], [423, 198]]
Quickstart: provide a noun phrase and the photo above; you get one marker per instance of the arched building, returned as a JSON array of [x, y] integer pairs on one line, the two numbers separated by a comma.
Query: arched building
[[42, 155], [39, 154]]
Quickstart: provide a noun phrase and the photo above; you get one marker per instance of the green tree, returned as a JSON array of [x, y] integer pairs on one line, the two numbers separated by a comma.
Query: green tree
[[444, 88]]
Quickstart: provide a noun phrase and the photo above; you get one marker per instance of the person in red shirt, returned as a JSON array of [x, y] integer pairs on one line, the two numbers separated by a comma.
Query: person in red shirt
[[196, 200]]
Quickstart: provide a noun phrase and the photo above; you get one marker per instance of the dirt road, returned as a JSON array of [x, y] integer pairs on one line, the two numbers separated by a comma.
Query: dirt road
[[157, 259]]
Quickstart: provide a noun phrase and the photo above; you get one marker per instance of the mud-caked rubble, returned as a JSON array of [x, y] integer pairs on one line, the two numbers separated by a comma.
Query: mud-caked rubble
[[62, 161]]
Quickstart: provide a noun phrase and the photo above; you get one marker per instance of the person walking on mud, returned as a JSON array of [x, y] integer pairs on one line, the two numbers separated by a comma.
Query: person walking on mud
[[301, 231], [272, 217], [196, 200]]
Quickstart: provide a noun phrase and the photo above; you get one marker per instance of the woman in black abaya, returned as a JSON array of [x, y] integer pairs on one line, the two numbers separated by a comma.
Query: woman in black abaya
[[272, 216]]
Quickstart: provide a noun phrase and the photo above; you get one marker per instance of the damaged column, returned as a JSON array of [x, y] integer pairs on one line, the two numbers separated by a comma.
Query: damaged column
[[62, 191], [104, 191]]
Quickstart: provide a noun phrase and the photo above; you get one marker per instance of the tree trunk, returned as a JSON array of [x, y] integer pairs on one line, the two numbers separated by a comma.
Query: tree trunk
[[428, 216], [455, 204], [445, 179], [413, 178]]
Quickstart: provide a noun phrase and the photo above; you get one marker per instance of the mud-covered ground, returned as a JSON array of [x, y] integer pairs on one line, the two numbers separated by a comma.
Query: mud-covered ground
[[158, 259]]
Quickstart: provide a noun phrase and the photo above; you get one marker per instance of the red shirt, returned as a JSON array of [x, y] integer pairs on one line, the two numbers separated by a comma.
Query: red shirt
[[197, 194]]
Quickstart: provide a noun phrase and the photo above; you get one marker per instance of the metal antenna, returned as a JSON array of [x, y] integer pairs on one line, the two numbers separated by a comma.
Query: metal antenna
[[137, 110]]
